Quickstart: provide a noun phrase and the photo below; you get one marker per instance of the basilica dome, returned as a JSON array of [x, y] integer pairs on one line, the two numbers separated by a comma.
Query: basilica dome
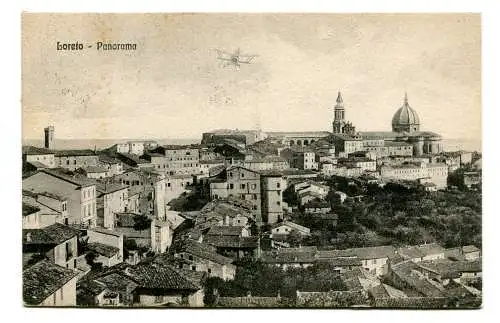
[[405, 119]]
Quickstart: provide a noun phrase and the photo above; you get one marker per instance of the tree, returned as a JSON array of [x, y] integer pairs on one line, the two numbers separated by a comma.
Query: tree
[[141, 222], [294, 238], [90, 257]]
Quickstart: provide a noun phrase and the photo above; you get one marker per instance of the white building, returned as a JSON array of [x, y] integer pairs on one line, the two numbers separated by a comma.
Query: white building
[[161, 235], [425, 172]]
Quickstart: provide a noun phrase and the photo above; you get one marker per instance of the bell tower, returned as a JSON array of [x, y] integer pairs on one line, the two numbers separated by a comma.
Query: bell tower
[[339, 115], [49, 137]]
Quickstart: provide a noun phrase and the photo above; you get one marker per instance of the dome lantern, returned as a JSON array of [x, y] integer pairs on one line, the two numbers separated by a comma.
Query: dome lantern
[[405, 119]]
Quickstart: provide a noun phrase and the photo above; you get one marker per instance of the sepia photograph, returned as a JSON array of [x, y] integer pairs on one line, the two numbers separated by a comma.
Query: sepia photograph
[[251, 160]]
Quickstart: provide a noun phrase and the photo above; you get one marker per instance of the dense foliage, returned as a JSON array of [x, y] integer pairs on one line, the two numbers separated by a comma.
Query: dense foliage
[[141, 222], [398, 215], [259, 279]]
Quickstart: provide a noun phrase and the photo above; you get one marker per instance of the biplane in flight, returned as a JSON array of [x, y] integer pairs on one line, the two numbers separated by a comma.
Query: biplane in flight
[[235, 58]]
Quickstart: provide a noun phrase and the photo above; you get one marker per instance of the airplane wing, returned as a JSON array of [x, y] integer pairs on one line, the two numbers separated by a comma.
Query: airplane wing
[[223, 55], [247, 59]]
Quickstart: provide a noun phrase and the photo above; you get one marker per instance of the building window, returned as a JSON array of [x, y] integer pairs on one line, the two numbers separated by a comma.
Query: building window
[[254, 196], [190, 257], [278, 185], [158, 299], [193, 268], [278, 202], [254, 186], [242, 186], [231, 186], [209, 271]]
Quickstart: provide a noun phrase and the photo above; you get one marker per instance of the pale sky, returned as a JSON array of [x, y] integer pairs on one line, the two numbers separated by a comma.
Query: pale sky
[[173, 85]]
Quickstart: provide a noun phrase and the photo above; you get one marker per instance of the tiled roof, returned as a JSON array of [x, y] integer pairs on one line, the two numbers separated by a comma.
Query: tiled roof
[[410, 252], [117, 282], [108, 159], [374, 252], [205, 251], [225, 230], [356, 273], [95, 169], [336, 253], [470, 248], [417, 281], [386, 291], [421, 251], [134, 158], [109, 187], [79, 152], [102, 249], [231, 241], [341, 261], [451, 269], [89, 287], [75, 180], [156, 276], [54, 234], [31, 150], [292, 225], [42, 279]]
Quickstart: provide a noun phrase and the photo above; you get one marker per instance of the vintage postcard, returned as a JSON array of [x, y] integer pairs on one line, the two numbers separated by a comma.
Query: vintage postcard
[[252, 160]]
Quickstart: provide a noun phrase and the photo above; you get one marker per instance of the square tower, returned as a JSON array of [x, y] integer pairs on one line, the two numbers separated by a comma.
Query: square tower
[[49, 137]]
